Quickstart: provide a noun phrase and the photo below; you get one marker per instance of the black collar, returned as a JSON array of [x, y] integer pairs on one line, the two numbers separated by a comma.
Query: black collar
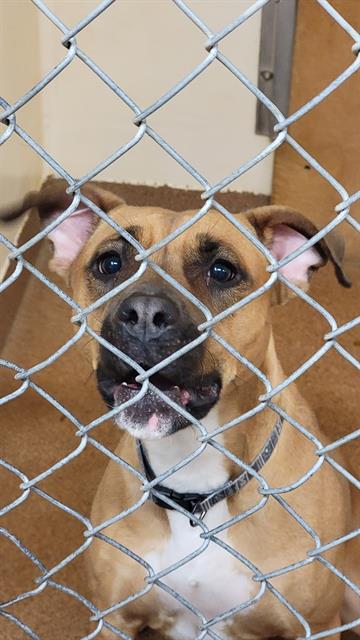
[[199, 504]]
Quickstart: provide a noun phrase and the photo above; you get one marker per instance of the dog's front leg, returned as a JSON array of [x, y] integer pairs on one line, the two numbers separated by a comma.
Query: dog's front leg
[[107, 634], [135, 632], [335, 622]]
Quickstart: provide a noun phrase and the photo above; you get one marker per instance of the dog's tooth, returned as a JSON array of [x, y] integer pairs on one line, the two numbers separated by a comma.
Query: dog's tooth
[[176, 387], [124, 384], [184, 397]]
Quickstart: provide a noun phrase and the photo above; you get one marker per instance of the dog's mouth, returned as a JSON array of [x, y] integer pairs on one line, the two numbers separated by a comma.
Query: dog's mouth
[[150, 416]]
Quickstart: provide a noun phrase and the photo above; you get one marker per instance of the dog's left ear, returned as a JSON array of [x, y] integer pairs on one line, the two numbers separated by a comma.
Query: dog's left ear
[[69, 237], [284, 230]]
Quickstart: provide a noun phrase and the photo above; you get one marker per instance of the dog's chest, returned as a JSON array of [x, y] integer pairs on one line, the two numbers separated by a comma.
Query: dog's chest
[[213, 581]]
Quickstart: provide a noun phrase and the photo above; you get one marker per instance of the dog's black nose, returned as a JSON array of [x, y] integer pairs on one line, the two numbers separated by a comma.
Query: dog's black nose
[[147, 317]]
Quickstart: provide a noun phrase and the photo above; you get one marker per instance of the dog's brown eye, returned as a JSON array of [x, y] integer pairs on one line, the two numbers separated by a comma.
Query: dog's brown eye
[[109, 263], [222, 271]]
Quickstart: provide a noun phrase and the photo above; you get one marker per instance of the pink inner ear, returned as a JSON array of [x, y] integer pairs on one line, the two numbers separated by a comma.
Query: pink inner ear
[[69, 237], [285, 241]]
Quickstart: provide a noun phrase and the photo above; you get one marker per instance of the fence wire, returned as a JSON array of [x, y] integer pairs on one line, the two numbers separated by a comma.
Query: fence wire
[[85, 432]]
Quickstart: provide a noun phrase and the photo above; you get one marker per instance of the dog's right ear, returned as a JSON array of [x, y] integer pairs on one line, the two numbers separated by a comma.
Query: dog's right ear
[[283, 230], [70, 236]]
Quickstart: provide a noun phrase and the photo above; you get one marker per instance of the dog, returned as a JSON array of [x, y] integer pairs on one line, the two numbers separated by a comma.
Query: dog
[[148, 321]]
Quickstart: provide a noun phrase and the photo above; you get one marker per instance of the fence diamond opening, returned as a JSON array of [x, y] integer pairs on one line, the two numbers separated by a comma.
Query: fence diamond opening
[[87, 432]]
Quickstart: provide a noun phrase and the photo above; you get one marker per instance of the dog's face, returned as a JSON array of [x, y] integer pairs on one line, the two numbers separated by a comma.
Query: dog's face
[[149, 319]]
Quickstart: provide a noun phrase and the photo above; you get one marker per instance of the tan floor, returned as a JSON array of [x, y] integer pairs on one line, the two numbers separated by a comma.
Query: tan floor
[[35, 436]]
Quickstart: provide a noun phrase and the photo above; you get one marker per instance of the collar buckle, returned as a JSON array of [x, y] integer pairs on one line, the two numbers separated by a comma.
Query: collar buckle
[[201, 515]]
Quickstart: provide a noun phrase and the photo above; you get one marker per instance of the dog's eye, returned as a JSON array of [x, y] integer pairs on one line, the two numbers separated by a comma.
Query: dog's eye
[[109, 263], [222, 271]]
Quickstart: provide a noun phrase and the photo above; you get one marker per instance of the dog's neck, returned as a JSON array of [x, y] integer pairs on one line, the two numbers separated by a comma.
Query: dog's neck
[[211, 468], [206, 472]]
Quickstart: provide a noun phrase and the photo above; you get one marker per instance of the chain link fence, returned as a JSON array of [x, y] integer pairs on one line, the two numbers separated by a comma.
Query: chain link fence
[[87, 432]]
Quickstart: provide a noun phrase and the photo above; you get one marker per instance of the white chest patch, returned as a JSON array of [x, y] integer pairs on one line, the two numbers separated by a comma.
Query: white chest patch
[[213, 581]]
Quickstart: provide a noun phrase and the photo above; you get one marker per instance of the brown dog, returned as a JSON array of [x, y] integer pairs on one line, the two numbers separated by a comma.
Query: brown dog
[[148, 321]]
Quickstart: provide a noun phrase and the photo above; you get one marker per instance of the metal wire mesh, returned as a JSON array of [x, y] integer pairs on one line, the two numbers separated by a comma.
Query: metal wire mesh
[[85, 432]]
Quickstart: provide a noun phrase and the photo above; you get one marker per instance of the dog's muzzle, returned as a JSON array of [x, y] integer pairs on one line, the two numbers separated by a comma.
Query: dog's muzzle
[[149, 326]]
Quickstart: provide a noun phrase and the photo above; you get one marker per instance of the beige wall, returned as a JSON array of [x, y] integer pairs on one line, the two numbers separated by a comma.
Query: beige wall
[[20, 168], [147, 46]]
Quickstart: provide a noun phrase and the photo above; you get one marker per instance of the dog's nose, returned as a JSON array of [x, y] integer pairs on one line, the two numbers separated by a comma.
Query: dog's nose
[[147, 317]]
